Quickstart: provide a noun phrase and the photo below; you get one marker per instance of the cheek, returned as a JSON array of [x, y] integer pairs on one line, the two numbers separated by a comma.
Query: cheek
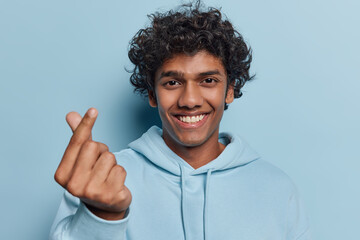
[[165, 100], [215, 97]]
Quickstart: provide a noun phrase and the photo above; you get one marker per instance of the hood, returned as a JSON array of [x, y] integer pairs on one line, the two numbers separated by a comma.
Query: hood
[[236, 154], [152, 146]]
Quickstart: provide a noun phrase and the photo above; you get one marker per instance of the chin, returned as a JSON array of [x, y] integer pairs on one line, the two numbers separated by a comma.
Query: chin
[[191, 141]]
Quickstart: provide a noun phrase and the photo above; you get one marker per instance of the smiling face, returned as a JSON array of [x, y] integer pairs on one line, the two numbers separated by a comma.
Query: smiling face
[[191, 95]]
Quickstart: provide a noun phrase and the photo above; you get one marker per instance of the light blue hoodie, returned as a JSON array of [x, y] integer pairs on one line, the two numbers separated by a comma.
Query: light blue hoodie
[[235, 196]]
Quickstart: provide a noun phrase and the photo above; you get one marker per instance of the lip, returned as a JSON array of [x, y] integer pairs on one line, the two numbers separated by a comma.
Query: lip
[[189, 113], [190, 125]]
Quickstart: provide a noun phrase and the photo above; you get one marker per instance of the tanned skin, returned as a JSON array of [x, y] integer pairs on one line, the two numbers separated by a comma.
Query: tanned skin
[[185, 87], [192, 86], [89, 171]]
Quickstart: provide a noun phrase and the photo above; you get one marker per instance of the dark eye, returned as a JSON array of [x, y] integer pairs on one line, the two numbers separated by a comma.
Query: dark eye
[[172, 83], [209, 80]]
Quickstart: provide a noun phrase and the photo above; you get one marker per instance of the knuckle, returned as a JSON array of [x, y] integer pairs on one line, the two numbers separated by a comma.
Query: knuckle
[[123, 195], [120, 170], [91, 193], [60, 178], [104, 146], [90, 145], [74, 189], [109, 156]]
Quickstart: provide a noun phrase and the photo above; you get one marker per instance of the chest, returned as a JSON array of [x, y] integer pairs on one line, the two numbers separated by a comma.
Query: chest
[[230, 206]]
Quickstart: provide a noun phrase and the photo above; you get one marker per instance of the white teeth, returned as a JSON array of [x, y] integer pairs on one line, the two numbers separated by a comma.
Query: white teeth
[[192, 119]]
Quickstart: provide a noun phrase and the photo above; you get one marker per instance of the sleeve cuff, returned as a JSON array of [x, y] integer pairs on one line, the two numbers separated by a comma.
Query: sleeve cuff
[[86, 225]]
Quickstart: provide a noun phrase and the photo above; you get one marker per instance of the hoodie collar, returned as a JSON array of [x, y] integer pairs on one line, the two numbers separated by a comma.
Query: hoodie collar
[[152, 146]]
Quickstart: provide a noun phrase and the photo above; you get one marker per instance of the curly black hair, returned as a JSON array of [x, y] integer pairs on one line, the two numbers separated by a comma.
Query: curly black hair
[[188, 30]]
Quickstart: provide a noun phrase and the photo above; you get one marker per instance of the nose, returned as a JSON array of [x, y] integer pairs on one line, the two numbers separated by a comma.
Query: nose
[[190, 96]]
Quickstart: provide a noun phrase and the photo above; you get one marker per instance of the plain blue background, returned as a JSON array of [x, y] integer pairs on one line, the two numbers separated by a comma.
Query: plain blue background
[[301, 112]]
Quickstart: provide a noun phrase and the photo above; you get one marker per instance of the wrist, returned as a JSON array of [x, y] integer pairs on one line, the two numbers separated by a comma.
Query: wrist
[[110, 216]]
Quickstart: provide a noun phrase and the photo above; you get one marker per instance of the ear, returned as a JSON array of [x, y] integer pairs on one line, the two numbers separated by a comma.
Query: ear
[[230, 94], [152, 99]]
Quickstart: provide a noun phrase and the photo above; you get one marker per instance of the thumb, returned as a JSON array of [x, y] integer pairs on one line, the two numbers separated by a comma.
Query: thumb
[[73, 119]]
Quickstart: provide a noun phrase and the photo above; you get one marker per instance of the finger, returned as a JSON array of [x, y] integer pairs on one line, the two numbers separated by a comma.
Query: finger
[[102, 168], [73, 119], [116, 177], [82, 170], [87, 158], [83, 130], [81, 134], [103, 147], [124, 198]]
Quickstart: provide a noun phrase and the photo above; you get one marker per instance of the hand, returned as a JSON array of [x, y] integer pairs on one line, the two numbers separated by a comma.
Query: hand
[[89, 171]]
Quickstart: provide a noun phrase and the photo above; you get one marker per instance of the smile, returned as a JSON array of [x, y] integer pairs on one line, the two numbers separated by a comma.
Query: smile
[[191, 119]]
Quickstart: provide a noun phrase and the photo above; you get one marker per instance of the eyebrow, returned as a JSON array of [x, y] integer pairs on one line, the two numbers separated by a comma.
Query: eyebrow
[[171, 74], [181, 74], [212, 72]]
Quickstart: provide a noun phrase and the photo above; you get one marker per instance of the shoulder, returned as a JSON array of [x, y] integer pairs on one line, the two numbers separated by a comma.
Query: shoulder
[[130, 159], [125, 154], [270, 176], [268, 169]]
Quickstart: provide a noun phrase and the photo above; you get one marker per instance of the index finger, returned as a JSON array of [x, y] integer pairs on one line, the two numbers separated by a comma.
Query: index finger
[[83, 130], [81, 134], [73, 119]]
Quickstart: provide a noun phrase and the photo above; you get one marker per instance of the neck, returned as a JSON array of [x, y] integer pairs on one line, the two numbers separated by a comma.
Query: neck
[[198, 156]]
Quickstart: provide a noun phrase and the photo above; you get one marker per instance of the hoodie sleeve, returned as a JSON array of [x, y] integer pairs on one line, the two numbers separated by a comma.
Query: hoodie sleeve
[[298, 226], [75, 221]]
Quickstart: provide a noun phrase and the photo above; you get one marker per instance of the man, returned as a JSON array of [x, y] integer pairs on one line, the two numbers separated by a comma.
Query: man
[[186, 180]]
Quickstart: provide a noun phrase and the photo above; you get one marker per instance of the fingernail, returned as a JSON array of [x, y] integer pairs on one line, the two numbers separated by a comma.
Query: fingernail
[[92, 112]]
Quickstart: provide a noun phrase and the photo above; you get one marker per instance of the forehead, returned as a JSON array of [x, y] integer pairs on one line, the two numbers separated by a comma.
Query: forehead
[[202, 61]]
